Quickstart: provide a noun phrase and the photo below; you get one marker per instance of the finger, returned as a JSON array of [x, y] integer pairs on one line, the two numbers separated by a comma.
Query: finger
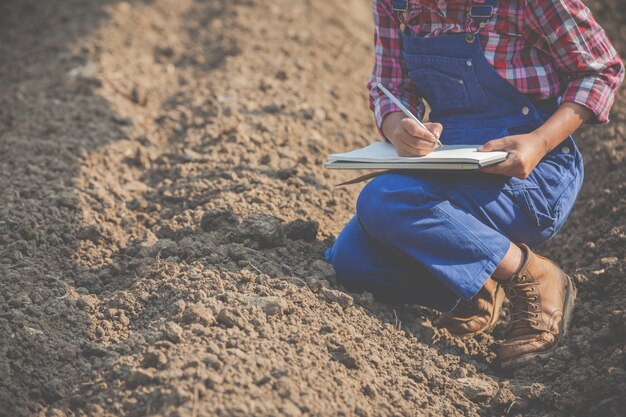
[[505, 167], [414, 141], [494, 145], [417, 143], [409, 152], [420, 149], [435, 128], [412, 128], [404, 150]]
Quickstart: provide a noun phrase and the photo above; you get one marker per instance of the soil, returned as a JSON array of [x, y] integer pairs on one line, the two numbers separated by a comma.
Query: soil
[[165, 210]]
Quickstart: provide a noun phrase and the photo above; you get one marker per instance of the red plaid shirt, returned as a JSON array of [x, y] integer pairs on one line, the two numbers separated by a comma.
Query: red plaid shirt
[[545, 48]]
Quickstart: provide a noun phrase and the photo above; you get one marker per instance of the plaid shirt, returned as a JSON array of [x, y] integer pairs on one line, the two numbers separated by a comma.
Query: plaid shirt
[[545, 48]]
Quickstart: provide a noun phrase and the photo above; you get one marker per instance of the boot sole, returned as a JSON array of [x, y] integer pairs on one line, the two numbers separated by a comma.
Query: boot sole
[[494, 319], [568, 309]]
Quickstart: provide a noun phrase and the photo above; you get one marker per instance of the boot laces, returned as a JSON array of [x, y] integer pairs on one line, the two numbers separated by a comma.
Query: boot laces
[[522, 294]]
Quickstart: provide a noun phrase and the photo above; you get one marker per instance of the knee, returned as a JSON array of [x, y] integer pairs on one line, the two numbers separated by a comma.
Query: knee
[[346, 259], [380, 202]]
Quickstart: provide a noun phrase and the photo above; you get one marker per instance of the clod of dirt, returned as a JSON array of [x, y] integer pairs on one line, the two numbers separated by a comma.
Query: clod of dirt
[[302, 230], [215, 220], [140, 377], [91, 232], [334, 296], [165, 248], [198, 313], [172, 332], [230, 317], [154, 359], [349, 358], [271, 306], [265, 229], [477, 389]]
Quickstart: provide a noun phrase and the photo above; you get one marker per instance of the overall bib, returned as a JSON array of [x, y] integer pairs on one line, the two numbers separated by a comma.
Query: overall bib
[[430, 238]]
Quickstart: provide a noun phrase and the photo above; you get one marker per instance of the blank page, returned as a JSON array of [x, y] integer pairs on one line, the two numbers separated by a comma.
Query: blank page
[[385, 152]]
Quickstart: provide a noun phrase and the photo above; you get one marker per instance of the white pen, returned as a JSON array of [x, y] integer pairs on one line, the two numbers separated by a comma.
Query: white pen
[[404, 109]]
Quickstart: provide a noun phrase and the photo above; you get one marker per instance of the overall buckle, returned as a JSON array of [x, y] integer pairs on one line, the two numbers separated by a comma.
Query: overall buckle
[[480, 13], [483, 11], [400, 5]]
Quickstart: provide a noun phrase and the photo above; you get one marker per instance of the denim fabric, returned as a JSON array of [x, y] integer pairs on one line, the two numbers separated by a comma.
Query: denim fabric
[[429, 238]]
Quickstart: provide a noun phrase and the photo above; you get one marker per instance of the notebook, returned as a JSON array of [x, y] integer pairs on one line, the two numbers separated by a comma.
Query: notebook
[[383, 155]]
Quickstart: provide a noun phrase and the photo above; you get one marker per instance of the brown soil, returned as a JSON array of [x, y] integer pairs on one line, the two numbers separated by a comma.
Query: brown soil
[[164, 213]]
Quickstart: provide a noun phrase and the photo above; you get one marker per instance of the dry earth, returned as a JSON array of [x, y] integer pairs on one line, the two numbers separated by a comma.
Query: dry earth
[[164, 212]]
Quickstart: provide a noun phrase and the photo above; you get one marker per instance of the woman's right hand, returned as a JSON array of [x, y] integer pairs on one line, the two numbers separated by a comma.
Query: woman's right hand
[[408, 137]]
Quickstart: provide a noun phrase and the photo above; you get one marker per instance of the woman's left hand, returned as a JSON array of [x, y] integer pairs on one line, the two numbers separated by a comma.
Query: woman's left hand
[[525, 152]]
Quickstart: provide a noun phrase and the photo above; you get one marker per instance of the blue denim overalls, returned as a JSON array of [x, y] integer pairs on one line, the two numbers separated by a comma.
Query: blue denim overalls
[[431, 238]]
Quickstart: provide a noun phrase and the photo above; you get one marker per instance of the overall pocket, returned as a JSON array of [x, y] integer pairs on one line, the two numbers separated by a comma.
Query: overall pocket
[[536, 206], [448, 84]]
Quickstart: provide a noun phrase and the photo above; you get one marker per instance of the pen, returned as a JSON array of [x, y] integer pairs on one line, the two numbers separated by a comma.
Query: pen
[[404, 109]]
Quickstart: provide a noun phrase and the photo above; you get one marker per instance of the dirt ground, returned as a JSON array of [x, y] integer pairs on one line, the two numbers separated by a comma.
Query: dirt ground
[[164, 212]]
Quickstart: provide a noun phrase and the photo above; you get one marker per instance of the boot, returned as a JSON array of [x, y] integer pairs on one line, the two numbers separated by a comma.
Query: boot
[[542, 301], [478, 315]]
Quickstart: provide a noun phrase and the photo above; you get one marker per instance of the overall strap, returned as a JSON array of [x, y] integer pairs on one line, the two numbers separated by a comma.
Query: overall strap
[[481, 14], [400, 7], [478, 12]]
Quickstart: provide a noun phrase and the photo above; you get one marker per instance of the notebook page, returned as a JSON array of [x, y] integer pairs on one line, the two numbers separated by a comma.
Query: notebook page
[[385, 152]]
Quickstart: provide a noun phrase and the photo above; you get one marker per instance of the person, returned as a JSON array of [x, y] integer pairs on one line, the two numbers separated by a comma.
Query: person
[[514, 75]]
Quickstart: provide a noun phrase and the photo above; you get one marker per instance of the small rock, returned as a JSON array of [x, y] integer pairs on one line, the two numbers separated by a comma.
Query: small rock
[[86, 71], [477, 389], [319, 114], [198, 313], [271, 306], [334, 296], [172, 332], [230, 317], [610, 261], [264, 229]]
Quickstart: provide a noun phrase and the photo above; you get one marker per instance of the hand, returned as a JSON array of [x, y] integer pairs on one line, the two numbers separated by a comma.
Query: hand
[[410, 139], [525, 152]]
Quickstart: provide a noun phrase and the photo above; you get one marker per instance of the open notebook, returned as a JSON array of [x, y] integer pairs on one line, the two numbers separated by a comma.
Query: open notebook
[[383, 155]]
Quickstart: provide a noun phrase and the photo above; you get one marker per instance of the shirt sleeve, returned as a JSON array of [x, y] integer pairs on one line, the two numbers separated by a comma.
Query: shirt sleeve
[[388, 67], [581, 51]]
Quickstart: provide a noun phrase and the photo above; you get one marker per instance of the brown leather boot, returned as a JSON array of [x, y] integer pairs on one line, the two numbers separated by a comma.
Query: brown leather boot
[[478, 315], [542, 301]]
